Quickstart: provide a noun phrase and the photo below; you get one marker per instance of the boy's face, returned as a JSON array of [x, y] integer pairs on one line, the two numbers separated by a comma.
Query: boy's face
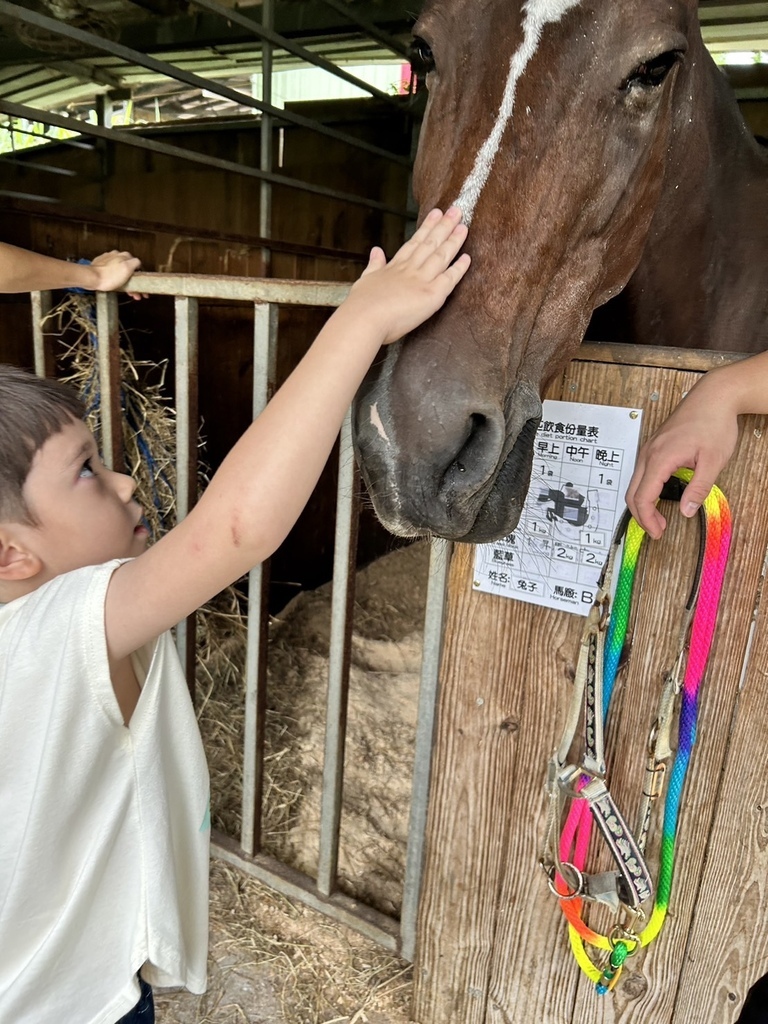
[[84, 512]]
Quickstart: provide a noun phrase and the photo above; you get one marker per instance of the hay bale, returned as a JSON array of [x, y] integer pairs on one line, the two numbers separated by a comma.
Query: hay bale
[[381, 725]]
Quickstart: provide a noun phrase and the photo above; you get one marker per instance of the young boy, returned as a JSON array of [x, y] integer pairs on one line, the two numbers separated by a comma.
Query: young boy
[[103, 783]]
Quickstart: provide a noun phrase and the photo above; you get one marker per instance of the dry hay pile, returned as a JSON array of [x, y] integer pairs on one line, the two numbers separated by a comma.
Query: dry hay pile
[[381, 725], [275, 962], [149, 420]]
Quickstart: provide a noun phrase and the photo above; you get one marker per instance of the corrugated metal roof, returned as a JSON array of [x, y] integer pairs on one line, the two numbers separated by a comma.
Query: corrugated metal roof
[[40, 68]]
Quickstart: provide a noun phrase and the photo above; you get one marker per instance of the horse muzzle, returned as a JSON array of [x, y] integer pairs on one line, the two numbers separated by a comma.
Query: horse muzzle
[[447, 466]]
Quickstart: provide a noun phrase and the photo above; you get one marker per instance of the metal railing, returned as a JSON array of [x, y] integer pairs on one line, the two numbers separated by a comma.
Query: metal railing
[[320, 893]]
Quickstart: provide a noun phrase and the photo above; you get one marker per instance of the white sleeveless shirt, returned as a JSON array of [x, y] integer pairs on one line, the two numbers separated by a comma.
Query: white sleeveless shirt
[[104, 829]]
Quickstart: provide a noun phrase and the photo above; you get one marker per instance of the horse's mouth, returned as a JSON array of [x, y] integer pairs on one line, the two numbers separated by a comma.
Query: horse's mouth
[[463, 478], [499, 511], [502, 510], [486, 515]]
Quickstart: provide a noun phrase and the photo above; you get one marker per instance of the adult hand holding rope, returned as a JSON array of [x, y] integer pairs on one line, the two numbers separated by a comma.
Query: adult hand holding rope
[[701, 433]]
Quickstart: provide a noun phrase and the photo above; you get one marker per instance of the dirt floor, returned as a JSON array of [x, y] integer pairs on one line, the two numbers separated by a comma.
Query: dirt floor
[[272, 961]]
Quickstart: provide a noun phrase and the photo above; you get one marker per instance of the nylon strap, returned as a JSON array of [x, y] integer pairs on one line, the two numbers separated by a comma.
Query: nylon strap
[[584, 785]]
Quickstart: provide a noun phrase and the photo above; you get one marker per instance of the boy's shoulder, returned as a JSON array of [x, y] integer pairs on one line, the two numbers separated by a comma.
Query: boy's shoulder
[[56, 607], [79, 579], [54, 654]]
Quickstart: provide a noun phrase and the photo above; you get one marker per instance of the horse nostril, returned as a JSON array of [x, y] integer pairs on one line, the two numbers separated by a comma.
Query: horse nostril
[[477, 453]]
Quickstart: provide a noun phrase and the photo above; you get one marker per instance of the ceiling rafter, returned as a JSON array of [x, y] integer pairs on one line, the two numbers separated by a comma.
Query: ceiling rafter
[[177, 73], [222, 40]]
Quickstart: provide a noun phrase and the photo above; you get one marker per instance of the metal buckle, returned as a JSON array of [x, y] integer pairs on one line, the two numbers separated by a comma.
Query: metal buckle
[[550, 871], [658, 773]]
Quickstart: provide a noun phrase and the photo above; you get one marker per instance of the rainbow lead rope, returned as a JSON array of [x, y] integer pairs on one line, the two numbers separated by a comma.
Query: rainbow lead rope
[[627, 889]]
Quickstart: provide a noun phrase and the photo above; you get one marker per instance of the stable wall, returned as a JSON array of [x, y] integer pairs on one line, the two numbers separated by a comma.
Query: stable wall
[[493, 945], [189, 198]]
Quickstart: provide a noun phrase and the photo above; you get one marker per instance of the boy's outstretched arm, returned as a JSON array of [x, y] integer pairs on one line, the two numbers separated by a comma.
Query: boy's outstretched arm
[[701, 434], [25, 271], [261, 487]]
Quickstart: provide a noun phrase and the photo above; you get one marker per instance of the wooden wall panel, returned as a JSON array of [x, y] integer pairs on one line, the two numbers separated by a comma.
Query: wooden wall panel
[[493, 945]]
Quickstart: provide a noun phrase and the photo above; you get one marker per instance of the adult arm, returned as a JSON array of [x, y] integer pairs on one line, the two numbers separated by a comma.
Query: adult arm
[[25, 271]]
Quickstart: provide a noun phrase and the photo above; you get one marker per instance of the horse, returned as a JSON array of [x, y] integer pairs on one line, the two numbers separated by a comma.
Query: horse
[[596, 151]]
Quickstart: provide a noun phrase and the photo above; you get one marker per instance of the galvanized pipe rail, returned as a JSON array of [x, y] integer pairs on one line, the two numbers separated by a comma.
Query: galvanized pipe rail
[[246, 853]]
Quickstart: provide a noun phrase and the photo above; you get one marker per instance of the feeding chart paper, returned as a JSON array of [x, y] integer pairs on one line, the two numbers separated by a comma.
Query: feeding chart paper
[[583, 458]]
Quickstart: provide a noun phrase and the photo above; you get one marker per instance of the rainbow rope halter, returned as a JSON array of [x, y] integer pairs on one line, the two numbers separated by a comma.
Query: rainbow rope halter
[[627, 887]]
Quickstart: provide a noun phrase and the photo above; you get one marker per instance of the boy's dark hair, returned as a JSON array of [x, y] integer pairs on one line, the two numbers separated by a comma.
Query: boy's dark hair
[[32, 409]]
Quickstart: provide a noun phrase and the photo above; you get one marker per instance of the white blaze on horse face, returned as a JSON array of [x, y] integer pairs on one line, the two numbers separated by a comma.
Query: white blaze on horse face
[[538, 13], [376, 422]]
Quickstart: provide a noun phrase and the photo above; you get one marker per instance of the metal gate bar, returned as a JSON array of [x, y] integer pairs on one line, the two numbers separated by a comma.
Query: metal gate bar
[[439, 562], [320, 894], [264, 374], [186, 345], [342, 608]]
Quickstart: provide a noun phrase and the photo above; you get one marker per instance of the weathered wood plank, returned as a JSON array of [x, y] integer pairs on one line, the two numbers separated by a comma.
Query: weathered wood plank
[[553, 992], [458, 918], [493, 947], [654, 983], [727, 946], [652, 355]]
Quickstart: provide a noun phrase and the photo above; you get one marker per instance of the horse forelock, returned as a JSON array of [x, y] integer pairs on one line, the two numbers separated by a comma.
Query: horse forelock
[[537, 14]]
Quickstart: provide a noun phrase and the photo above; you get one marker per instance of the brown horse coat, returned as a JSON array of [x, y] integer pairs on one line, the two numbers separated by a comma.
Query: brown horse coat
[[595, 150]]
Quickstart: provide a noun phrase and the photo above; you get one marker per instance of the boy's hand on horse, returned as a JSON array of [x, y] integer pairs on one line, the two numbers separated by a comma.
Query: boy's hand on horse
[[258, 492], [401, 294]]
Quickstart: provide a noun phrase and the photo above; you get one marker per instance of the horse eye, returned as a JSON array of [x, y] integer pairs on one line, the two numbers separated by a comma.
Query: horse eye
[[651, 73], [421, 57]]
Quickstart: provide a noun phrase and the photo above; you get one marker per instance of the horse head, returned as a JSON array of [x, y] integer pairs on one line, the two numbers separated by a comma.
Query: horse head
[[551, 123]]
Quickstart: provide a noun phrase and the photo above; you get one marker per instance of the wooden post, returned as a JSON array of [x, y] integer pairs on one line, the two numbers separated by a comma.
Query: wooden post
[[493, 945]]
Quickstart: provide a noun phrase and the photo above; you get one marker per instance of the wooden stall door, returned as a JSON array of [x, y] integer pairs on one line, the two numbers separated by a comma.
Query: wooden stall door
[[493, 945]]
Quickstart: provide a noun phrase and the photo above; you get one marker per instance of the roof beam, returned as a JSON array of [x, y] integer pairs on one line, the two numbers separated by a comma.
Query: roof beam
[[368, 26], [732, 24], [305, 21], [131, 137], [163, 8], [86, 73], [172, 71], [286, 44], [731, 10]]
